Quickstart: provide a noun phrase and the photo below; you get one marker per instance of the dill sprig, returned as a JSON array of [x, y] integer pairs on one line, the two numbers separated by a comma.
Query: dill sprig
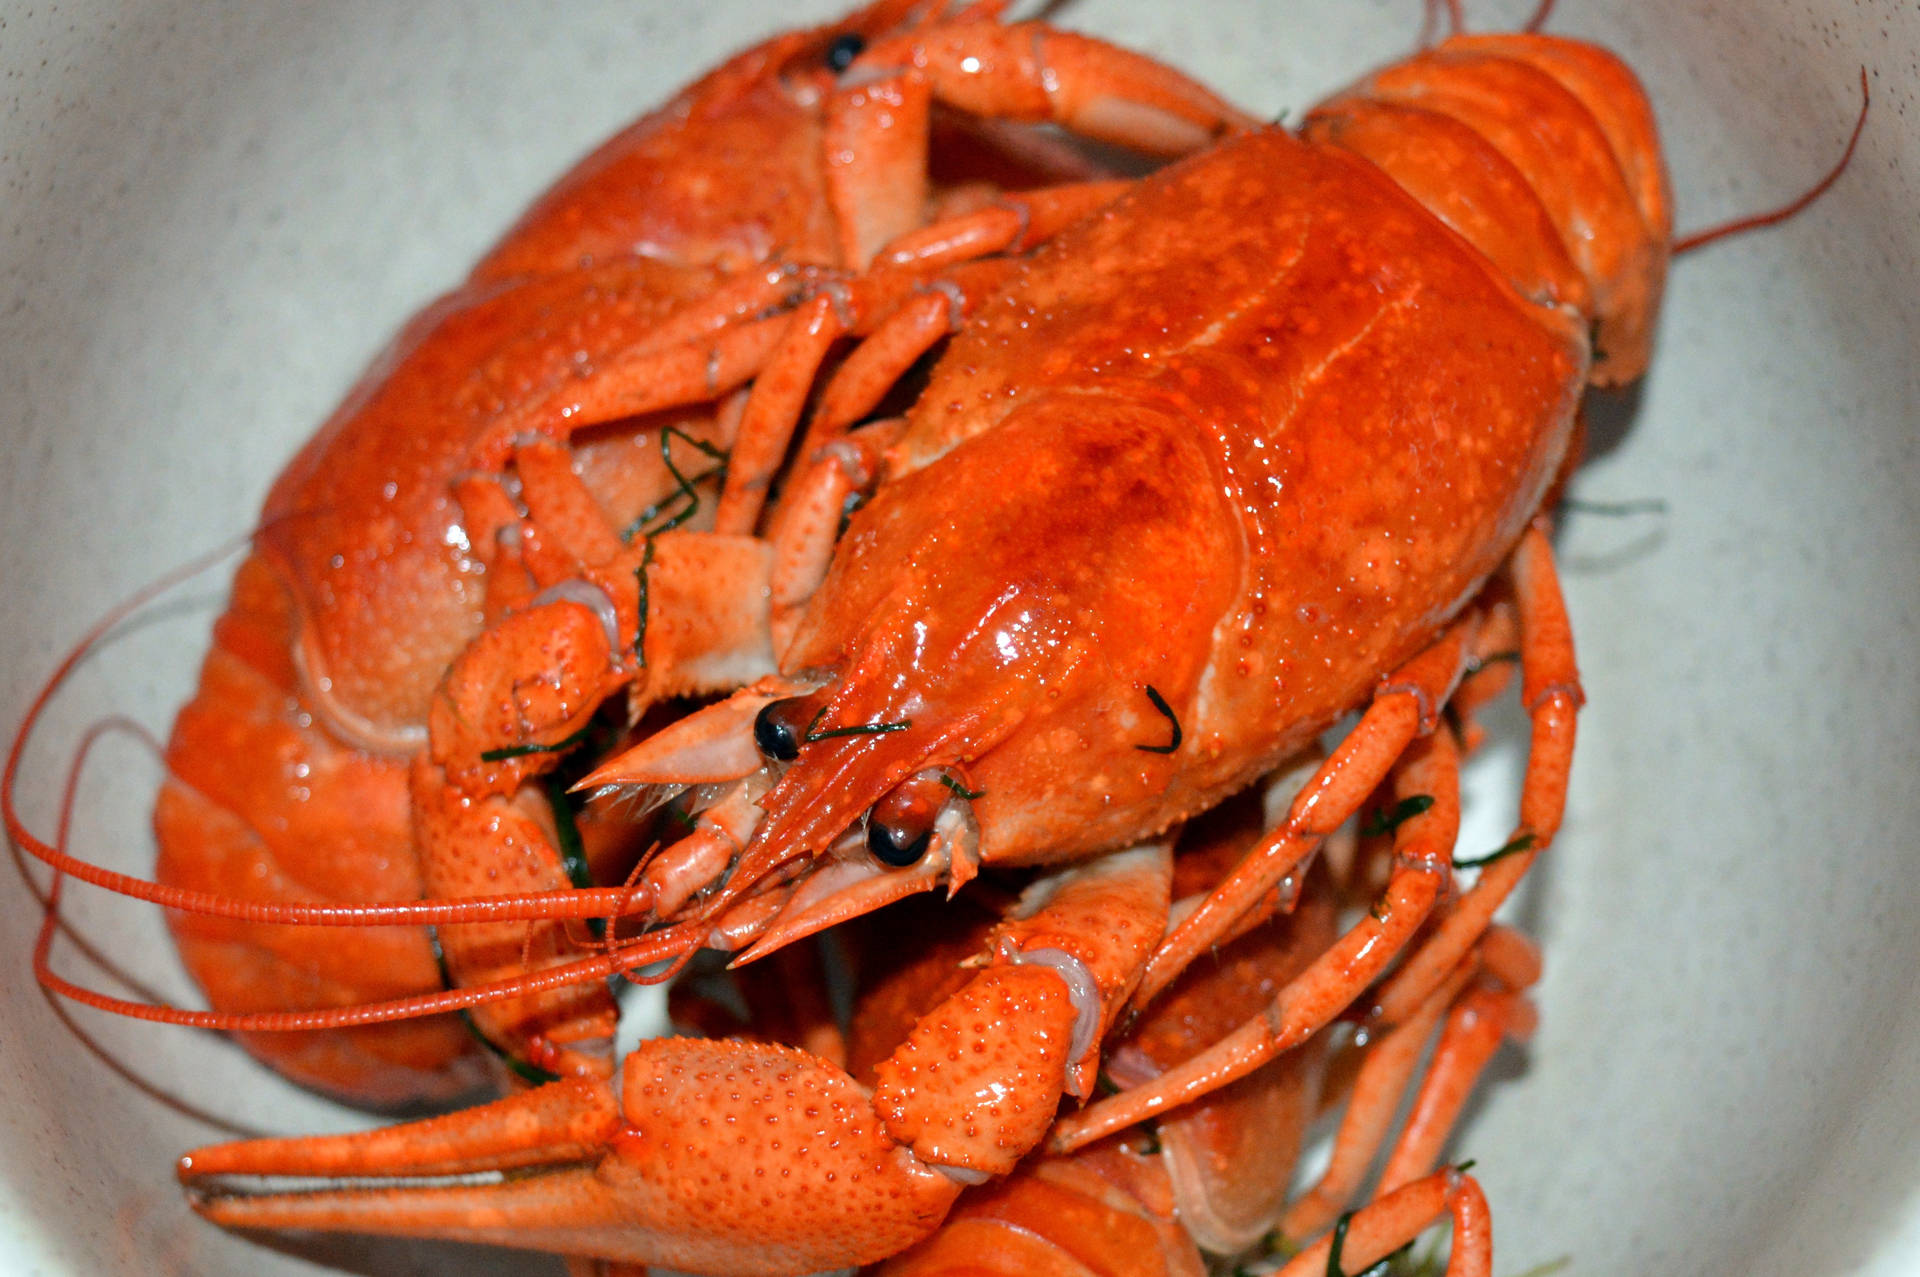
[[532, 1073], [969, 794], [521, 751], [1513, 846], [1380, 822], [1160, 703], [640, 605], [815, 732], [661, 516]]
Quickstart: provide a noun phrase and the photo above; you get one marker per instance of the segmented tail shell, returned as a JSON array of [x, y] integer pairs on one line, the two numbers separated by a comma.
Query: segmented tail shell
[[1541, 152]]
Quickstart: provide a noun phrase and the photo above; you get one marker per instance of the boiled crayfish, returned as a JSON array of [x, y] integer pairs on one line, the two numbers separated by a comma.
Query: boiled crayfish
[[1262, 441], [521, 512]]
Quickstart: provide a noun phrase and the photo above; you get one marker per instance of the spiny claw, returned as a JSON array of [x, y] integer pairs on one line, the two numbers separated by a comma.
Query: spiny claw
[[718, 1157], [562, 1120]]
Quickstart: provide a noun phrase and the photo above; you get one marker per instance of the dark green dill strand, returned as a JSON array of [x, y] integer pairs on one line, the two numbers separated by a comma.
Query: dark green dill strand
[[1103, 1084], [1385, 822], [684, 491], [960, 789], [640, 626], [1339, 1244], [639, 526], [1390, 1265], [865, 729], [680, 815], [667, 436], [1549, 1268], [1277, 1245], [573, 851], [1467, 1165], [1160, 703], [1150, 1139], [1614, 509], [521, 751], [714, 452], [526, 1072], [1520, 843]]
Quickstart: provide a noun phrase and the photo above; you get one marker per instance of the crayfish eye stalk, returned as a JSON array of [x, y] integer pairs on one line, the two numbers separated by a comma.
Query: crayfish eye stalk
[[900, 826], [780, 728], [921, 834]]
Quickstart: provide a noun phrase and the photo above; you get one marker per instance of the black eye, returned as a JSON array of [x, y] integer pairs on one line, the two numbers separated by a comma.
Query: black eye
[[897, 847], [776, 729], [900, 826], [843, 50]]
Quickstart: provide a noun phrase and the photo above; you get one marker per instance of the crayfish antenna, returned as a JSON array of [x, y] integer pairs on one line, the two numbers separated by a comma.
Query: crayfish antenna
[[1773, 217]]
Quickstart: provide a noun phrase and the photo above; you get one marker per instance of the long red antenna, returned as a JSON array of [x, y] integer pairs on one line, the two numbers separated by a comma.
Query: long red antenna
[[1701, 238], [677, 943], [594, 902]]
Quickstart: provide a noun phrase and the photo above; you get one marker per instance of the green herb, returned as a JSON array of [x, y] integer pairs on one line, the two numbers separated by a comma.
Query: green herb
[[1401, 1263], [1522, 842], [1160, 703], [526, 1072], [684, 493], [866, 728], [1385, 822], [1277, 1245], [1614, 509], [1549, 1268], [1149, 1139], [640, 626], [573, 852], [1393, 1265], [521, 751], [680, 815], [960, 789], [1103, 1084], [1339, 1244]]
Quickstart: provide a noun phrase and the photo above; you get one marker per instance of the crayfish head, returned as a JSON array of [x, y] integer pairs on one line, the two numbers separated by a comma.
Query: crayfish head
[[1004, 666], [1005, 650]]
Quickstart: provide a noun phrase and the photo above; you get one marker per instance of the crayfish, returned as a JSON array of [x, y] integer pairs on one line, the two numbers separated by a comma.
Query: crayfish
[[1207, 460]]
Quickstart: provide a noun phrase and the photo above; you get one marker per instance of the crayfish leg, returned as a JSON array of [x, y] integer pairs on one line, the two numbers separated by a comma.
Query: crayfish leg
[[1406, 705], [1231, 1156], [1021, 72], [1370, 1235], [1423, 846], [720, 1157], [1551, 695]]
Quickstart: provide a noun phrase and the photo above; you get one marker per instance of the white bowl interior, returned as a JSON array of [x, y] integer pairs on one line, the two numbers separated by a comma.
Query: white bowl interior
[[216, 213]]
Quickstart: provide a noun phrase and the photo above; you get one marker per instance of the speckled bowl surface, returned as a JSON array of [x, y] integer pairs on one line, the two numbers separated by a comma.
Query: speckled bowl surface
[[215, 213]]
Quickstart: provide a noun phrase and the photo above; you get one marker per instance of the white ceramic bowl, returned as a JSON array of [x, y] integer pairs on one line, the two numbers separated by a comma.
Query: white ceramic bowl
[[215, 213]]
